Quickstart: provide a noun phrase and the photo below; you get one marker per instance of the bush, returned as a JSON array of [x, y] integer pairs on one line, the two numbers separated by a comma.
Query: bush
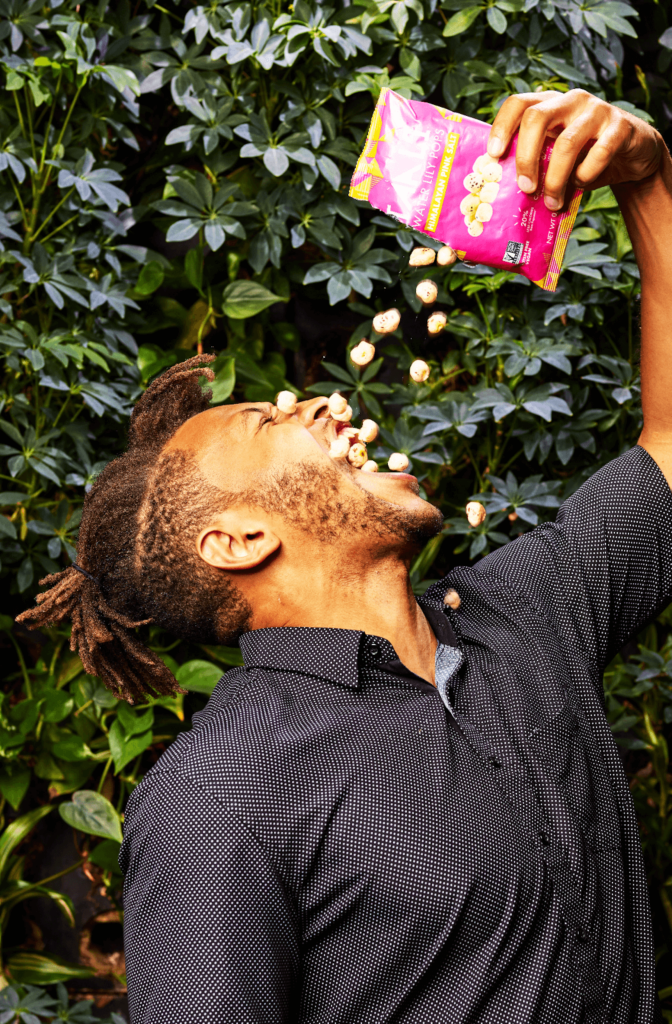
[[174, 177]]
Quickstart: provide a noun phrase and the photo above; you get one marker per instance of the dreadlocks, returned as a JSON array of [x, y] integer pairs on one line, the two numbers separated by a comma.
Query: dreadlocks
[[136, 545]]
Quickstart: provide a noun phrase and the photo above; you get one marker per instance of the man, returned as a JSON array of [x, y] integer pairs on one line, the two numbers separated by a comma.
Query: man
[[396, 810]]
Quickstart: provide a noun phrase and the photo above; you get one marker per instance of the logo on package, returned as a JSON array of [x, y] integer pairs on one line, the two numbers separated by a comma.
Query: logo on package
[[514, 250]]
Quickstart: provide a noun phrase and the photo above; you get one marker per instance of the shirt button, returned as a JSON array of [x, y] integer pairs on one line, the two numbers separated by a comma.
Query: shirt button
[[374, 651]]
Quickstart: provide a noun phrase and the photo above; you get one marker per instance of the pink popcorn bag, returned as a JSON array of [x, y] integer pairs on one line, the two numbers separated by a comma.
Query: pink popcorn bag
[[429, 168]]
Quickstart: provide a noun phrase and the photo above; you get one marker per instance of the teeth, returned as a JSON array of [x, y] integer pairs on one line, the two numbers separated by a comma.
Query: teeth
[[370, 467], [363, 353], [398, 462], [368, 431], [286, 402], [337, 404]]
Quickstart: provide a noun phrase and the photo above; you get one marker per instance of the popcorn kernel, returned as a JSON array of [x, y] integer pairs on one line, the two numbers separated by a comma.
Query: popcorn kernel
[[446, 256], [286, 402], [385, 323], [470, 204], [436, 322], [474, 182], [475, 228], [363, 353], [488, 193], [368, 431], [475, 513], [357, 455], [493, 172], [421, 257], [427, 292], [452, 599], [419, 371], [337, 403], [370, 467], [339, 448], [343, 417], [484, 213], [398, 462]]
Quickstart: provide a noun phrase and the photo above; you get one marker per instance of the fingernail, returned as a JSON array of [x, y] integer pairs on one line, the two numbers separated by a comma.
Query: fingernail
[[525, 184], [495, 146], [552, 203]]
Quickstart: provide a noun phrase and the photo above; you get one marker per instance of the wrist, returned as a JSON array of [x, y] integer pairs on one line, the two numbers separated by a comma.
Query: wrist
[[657, 183]]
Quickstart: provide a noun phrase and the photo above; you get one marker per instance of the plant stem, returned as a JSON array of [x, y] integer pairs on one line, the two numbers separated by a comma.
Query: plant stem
[[67, 195], [24, 671], [59, 874], [59, 228], [104, 774]]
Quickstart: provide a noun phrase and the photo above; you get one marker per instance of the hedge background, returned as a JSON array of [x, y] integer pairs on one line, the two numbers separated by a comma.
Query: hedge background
[[174, 177]]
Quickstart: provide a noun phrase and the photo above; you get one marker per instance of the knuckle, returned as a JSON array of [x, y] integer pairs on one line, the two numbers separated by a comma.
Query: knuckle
[[534, 116]]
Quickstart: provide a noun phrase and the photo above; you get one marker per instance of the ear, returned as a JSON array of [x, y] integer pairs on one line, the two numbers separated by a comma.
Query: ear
[[237, 540]]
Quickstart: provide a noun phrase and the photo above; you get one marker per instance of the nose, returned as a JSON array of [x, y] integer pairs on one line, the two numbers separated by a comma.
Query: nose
[[311, 410]]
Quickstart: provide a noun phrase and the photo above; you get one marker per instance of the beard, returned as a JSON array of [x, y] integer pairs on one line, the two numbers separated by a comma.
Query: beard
[[312, 497]]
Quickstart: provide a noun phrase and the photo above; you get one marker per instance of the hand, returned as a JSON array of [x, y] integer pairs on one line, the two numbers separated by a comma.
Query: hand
[[622, 146]]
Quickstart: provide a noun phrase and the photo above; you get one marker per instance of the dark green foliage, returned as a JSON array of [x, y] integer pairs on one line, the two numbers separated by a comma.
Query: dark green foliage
[[174, 178]]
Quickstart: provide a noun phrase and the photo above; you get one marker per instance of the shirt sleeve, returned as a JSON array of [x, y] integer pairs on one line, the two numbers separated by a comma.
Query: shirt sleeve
[[209, 931], [604, 567]]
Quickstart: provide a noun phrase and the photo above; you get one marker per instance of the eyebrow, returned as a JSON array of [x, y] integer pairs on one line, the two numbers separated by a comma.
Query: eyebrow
[[254, 408]]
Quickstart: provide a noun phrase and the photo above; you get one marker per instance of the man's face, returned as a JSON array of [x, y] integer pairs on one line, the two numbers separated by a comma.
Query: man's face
[[281, 463]]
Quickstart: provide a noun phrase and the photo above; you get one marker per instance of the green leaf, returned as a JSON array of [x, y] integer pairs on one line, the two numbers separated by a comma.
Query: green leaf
[[496, 20], [461, 21], [71, 748], [125, 748], [150, 278], [225, 379], [57, 705], [92, 813], [106, 856], [14, 785], [600, 199], [133, 723], [243, 299], [17, 832], [29, 968], [199, 676]]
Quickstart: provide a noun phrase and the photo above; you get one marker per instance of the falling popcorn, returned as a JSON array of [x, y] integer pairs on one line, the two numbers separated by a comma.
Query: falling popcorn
[[452, 599], [363, 353], [286, 402], [436, 322], [370, 467], [339, 448], [357, 455], [368, 431], [398, 462], [337, 403], [385, 323], [421, 257], [351, 433], [419, 371], [427, 292], [343, 417], [475, 513], [446, 256]]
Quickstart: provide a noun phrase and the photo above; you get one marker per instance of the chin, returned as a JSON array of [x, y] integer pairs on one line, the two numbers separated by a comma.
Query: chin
[[398, 503]]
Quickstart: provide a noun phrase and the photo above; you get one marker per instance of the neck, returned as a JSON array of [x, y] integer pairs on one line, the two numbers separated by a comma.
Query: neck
[[348, 590]]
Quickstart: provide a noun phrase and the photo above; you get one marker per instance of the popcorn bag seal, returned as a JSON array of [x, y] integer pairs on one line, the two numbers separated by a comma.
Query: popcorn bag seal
[[429, 168]]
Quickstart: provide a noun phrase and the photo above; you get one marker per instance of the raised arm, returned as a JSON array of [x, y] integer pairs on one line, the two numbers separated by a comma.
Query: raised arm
[[631, 156]]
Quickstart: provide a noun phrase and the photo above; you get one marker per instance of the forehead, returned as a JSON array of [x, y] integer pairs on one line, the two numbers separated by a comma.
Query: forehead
[[200, 432]]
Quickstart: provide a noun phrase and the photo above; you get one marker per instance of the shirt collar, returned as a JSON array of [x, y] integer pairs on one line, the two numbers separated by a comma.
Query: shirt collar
[[333, 654]]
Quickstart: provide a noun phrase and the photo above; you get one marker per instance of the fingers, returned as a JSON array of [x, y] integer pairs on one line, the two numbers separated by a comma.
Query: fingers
[[565, 156], [508, 119], [614, 139]]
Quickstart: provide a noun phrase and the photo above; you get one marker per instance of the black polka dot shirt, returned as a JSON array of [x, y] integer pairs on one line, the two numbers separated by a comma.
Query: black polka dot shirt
[[336, 841]]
